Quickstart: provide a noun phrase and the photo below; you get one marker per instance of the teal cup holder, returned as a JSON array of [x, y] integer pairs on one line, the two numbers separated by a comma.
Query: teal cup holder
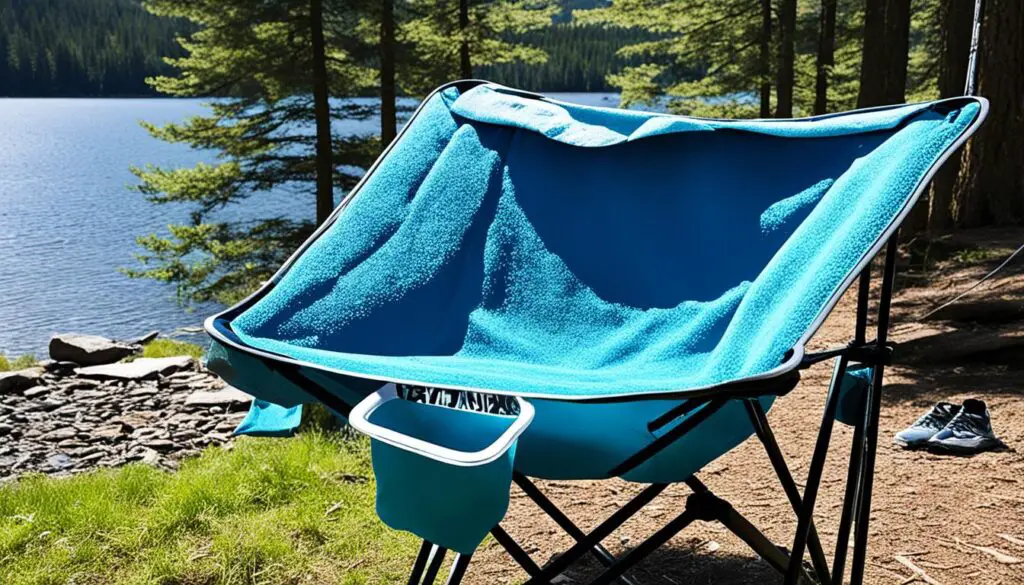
[[853, 392], [442, 473]]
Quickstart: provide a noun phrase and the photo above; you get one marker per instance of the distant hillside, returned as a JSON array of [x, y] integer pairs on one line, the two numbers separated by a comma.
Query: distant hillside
[[81, 47], [108, 47]]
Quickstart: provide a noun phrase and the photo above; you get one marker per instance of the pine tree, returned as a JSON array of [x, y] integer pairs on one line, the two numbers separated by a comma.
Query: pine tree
[[702, 49], [883, 74], [955, 21], [450, 39], [270, 64], [826, 54], [992, 180], [785, 75]]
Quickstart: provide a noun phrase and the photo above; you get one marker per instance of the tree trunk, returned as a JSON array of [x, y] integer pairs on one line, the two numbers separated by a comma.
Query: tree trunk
[[388, 93], [324, 163], [992, 182], [955, 25], [826, 54], [465, 66], [883, 72], [766, 58], [784, 74]]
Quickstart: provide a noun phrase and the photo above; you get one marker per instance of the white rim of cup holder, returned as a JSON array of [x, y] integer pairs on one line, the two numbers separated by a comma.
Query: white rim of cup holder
[[359, 418]]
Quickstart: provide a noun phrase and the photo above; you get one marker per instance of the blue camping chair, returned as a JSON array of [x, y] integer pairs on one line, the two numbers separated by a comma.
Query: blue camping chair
[[522, 288]]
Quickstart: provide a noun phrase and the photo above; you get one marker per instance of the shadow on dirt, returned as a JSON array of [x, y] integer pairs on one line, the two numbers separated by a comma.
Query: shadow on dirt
[[687, 563]]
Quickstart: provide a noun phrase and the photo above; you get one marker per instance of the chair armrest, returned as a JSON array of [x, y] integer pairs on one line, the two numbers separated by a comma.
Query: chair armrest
[[361, 415]]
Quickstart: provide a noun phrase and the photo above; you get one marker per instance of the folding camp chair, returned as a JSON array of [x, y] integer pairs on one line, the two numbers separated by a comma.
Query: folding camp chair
[[522, 288]]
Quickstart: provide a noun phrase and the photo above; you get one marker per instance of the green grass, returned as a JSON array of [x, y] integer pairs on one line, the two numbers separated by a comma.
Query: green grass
[[981, 255], [19, 363], [159, 348], [267, 511]]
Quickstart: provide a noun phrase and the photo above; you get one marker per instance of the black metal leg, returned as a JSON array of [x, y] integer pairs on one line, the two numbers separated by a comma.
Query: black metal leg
[[603, 530], [458, 569], [600, 552], [806, 515], [515, 551], [872, 414], [860, 539], [764, 434], [755, 539], [645, 548], [849, 502], [434, 566], [421, 563]]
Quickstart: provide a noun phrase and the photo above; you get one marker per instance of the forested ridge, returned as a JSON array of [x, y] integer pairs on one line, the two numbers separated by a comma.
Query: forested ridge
[[82, 47], [93, 48]]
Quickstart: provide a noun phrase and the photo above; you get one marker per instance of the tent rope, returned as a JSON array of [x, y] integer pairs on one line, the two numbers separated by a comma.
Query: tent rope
[[969, 90]]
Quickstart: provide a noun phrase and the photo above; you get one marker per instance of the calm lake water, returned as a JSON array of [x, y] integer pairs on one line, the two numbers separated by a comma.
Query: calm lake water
[[68, 221]]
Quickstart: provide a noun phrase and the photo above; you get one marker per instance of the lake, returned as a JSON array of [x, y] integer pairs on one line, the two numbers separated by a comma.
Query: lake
[[68, 221]]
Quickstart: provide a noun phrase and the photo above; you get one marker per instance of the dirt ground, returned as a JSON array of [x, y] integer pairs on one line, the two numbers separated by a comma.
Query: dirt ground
[[960, 520]]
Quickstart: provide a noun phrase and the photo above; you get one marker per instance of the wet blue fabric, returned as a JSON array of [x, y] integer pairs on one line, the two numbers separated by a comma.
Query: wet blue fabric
[[526, 246], [266, 419]]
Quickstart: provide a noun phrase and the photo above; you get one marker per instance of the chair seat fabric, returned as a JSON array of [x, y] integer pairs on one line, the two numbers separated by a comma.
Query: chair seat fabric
[[520, 245]]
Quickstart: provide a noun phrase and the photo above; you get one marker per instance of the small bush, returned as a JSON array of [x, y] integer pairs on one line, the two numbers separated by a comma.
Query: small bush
[[159, 348], [19, 363]]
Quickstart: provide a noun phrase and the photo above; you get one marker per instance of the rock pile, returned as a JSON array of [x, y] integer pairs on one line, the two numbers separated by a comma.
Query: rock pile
[[63, 417]]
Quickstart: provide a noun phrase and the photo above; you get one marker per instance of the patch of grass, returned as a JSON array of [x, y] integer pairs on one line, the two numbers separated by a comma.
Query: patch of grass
[[159, 348], [268, 512], [18, 363], [981, 255]]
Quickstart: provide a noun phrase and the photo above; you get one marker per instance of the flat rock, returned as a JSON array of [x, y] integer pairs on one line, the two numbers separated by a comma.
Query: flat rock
[[19, 379], [60, 434], [140, 369], [88, 350], [143, 339], [228, 395], [35, 391]]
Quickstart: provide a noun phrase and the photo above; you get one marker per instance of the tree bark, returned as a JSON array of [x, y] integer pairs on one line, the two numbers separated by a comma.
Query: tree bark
[[883, 72], [388, 92], [465, 65], [324, 150], [992, 183], [955, 26], [784, 74], [826, 54], [766, 58]]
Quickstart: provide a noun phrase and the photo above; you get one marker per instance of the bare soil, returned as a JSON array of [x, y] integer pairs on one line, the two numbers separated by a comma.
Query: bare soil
[[959, 519]]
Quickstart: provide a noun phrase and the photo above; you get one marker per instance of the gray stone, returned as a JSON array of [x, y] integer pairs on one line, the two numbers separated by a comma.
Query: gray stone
[[142, 339], [59, 434], [140, 369], [59, 462], [88, 350], [35, 391], [60, 368], [228, 395], [19, 379], [159, 444]]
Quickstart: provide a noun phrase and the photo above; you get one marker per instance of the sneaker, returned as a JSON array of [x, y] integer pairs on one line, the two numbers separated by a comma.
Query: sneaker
[[932, 422], [968, 433]]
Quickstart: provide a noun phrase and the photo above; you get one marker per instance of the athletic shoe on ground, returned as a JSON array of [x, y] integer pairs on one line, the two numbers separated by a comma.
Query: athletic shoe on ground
[[968, 433], [935, 420]]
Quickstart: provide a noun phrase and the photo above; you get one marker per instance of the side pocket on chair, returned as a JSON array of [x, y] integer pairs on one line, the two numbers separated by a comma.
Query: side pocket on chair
[[442, 473]]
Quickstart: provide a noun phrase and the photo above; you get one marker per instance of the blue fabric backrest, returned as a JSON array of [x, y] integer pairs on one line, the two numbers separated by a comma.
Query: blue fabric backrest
[[506, 242]]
